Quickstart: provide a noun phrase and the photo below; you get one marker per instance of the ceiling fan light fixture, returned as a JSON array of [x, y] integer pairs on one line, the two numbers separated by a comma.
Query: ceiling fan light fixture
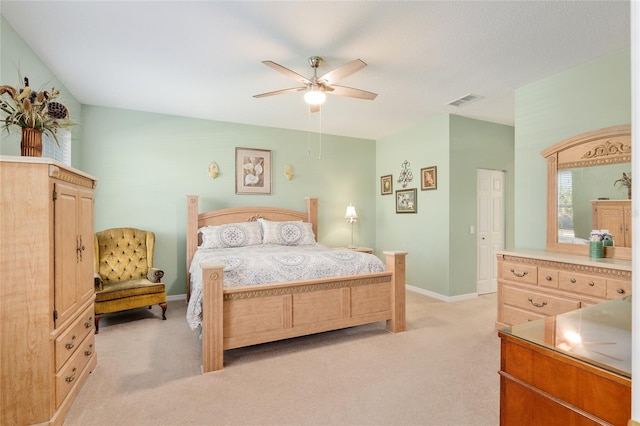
[[315, 97]]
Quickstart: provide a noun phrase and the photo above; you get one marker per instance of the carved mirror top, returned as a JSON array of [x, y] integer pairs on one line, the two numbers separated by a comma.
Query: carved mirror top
[[600, 147]]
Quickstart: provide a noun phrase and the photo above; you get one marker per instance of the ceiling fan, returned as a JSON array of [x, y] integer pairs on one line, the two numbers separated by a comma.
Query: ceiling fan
[[315, 87]]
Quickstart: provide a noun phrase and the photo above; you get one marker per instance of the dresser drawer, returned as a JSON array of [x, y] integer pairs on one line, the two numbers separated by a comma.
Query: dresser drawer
[[512, 316], [68, 341], [523, 274], [548, 277], [66, 377], [539, 303], [584, 284], [618, 288]]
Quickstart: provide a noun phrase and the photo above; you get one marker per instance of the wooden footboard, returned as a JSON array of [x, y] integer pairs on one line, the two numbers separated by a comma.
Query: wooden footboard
[[244, 316]]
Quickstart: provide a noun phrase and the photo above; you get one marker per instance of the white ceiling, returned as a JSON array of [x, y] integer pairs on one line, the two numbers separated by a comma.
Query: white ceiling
[[203, 59]]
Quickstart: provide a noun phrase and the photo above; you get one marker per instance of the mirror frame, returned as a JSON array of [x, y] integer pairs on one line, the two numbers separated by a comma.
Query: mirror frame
[[610, 145]]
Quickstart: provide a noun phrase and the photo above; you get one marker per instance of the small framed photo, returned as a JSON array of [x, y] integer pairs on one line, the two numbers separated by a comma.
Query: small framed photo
[[429, 178], [386, 185], [407, 200], [253, 171]]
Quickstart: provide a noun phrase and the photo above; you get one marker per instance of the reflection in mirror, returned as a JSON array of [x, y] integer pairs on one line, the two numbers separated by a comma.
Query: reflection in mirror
[[577, 188]]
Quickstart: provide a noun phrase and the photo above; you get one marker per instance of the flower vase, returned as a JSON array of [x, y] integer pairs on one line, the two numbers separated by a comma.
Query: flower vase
[[31, 143]]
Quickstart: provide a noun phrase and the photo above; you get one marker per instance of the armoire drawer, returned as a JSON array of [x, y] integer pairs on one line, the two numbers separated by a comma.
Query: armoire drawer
[[512, 316], [618, 288], [519, 273], [68, 342], [583, 284], [68, 375], [539, 303]]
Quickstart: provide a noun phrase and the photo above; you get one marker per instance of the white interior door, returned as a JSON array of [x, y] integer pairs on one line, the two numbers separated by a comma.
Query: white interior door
[[490, 226]]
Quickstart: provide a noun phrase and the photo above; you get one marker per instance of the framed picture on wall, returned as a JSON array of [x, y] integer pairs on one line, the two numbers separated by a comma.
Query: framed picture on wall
[[386, 185], [253, 171], [407, 200], [429, 178]]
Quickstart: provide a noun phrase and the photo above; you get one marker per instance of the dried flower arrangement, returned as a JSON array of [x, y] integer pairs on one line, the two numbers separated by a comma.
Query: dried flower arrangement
[[33, 109]]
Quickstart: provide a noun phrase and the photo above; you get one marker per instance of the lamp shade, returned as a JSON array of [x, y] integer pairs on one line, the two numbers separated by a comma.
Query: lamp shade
[[315, 97], [351, 213]]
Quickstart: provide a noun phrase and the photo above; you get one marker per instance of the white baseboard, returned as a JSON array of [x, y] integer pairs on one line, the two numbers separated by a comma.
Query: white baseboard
[[177, 297], [442, 297]]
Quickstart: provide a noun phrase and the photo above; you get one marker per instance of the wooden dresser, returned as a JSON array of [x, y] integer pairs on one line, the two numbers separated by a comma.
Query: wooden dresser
[[534, 285], [46, 289], [568, 369]]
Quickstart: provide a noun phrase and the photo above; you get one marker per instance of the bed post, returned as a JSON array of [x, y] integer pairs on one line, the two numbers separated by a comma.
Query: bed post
[[312, 214], [396, 264], [192, 235], [212, 317]]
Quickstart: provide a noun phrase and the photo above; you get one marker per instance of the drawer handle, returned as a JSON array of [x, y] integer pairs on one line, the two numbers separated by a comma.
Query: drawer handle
[[620, 291], [89, 351], [537, 305], [548, 278], [72, 377], [591, 283], [519, 275], [71, 344], [89, 323], [573, 280]]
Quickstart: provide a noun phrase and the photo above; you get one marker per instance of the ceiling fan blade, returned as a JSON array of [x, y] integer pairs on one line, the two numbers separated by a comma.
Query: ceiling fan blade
[[280, 92], [353, 93], [314, 108], [342, 71], [286, 71]]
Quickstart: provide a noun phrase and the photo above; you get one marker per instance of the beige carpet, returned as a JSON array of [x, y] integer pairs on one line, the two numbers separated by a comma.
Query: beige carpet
[[442, 371]]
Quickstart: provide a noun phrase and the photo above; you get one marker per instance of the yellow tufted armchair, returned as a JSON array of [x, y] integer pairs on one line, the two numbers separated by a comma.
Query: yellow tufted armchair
[[124, 274]]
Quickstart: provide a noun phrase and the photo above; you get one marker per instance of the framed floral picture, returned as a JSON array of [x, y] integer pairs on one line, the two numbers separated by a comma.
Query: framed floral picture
[[429, 178], [407, 200], [386, 185], [253, 171]]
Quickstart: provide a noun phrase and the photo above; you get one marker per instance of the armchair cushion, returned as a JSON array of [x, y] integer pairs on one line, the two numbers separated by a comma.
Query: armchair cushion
[[129, 288]]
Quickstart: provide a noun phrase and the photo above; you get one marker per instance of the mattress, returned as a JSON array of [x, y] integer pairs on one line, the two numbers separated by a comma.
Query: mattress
[[272, 263]]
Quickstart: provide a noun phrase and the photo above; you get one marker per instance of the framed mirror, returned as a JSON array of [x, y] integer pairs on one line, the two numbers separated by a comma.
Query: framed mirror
[[589, 187]]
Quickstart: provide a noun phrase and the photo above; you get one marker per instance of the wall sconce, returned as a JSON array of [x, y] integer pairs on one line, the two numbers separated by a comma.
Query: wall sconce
[[288, 171], [351, 217], [213, 170]]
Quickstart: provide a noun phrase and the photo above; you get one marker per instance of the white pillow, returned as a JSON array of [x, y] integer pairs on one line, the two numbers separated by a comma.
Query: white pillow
[[231, 235], [287, 233]]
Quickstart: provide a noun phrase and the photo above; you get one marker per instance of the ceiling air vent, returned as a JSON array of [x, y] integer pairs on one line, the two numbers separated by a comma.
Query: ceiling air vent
[[464, 100]]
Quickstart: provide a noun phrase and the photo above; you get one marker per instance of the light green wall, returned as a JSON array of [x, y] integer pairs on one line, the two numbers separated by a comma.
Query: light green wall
[[147, 163], [442, 253], [425, 235], [588, 97], [474, 145], [18, 60]]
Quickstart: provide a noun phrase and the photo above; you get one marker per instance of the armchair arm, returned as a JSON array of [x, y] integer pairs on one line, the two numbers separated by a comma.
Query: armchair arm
[[97, 281], [155, 275]]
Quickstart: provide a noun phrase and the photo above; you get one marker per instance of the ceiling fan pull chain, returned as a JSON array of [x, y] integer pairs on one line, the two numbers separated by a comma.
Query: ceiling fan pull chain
[[309, 133], [320, 134]]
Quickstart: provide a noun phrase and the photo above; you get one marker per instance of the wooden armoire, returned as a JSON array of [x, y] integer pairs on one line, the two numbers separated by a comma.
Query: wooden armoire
[[46, 288]]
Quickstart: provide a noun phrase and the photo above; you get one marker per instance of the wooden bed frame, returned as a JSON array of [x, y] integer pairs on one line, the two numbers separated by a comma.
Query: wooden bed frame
[[243, 316]]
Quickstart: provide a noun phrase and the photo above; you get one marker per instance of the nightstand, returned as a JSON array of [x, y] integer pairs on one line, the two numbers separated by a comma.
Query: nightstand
[[360, 249]]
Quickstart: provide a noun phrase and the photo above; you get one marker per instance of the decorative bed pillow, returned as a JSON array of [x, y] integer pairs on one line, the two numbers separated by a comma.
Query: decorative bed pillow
[[231, 235], [287, 233]]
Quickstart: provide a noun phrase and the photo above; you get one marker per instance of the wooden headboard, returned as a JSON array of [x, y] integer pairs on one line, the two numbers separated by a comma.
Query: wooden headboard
[[197, 220]]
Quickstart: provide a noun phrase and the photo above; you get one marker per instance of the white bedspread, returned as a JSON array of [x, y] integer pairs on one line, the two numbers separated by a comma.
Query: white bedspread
[[271, 263]]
